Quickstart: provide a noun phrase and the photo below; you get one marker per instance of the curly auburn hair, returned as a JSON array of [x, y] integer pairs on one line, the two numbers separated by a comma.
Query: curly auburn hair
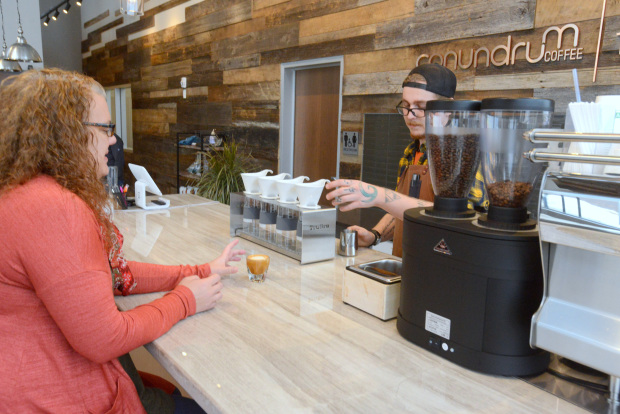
[[42, 132]]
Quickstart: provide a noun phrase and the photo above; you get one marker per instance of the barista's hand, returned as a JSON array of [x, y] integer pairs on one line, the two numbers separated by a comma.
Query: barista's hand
[[352, 194], [206, 291], [220, 265], [364, 237]]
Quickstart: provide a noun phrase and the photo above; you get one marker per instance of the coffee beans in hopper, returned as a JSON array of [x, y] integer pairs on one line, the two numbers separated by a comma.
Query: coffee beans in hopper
[[455, 160], [509, 193]]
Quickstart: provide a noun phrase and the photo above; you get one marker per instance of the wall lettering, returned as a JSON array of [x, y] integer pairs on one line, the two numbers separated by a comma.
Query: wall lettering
[[505, 54]]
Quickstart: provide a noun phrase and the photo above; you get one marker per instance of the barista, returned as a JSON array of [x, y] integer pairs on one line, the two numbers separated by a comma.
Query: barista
[[424, 83]]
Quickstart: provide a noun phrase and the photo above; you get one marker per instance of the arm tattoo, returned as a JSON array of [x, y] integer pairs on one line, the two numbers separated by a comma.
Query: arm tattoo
[[391, 196], [371, 194], [388, 231]]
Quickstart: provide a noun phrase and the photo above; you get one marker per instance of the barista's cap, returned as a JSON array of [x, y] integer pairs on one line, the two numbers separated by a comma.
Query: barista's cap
[[439, 79]]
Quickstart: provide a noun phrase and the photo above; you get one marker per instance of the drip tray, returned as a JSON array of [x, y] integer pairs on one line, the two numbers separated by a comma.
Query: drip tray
[[385, 271], [576, 384]]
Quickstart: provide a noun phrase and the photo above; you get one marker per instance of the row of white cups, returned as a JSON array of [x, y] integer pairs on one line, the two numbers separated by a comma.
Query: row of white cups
[[285, 190]]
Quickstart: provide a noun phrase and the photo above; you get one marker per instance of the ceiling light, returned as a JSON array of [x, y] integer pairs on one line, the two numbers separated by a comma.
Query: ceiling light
[[55, 15], [66, 9], [79, 3], [21, 50], [132, 7], [6, 65], [47, 21]]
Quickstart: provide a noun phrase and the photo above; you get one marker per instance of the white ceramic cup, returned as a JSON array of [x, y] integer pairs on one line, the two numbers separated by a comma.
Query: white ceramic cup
[[287, 190], [250, 181], [310, 193]]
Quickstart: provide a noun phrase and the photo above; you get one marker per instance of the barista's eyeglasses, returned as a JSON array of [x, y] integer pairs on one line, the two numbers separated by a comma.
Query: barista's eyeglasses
[[404, 111], [109, 128]]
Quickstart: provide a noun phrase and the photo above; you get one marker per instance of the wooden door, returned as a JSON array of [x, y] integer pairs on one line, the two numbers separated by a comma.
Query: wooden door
[[317, 97]]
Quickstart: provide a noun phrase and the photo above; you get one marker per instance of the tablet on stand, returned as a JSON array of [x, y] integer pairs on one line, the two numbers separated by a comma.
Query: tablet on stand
[[145, 183]]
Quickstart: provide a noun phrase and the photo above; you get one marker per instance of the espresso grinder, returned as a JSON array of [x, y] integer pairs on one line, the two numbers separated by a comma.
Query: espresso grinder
[[471, 282]]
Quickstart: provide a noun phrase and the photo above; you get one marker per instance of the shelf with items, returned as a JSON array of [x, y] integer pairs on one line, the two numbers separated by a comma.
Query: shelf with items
[[192, 155]]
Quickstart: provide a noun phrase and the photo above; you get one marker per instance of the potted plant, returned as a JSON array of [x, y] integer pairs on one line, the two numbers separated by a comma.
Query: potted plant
[[222, 173]]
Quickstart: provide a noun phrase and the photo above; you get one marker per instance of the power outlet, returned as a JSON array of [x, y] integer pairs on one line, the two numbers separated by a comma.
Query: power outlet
[[183, 82]]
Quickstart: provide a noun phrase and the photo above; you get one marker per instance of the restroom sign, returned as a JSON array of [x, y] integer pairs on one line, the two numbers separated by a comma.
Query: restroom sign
[[350, 142]]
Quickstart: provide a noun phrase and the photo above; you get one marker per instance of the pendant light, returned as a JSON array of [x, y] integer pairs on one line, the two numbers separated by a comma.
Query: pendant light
[[6, 65], [21, 50], [132, 7]]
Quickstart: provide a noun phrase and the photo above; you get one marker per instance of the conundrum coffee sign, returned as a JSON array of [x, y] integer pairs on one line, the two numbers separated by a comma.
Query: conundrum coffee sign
[[505, 55]]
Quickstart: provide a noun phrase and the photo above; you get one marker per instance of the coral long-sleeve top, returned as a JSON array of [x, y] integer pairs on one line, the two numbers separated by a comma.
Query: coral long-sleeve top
[[60, 330]]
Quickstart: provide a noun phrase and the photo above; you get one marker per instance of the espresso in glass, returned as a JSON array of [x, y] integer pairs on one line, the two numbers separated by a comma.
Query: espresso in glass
[[257, 267]]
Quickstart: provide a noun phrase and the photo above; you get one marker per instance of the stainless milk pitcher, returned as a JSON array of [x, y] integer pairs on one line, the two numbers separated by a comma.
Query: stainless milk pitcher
[[348, 243]]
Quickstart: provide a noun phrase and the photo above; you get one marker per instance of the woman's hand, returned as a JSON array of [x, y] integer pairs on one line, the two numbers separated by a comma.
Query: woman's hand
[[364, 237], [352, 194], [220, 265], [206, 291]]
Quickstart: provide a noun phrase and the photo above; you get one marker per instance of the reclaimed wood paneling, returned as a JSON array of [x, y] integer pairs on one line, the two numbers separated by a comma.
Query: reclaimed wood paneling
[[551, 79], [239, 62], [196, 51], [207, 7], [197, 80], [145, 22], [369, 29], [230, 51], [94, 37], [319, 50], [163, 115], [269, 39], [96, 19], [554, 12], [198, 91], [234, 14], [360, 16], [163, 7], [261, 4], [426, 6], [265, 73], [150, 129], [149, 85], [297, 10], [262, 112], [374, 83], [477, 19], [265, 91], [380, 61], [181, 68]]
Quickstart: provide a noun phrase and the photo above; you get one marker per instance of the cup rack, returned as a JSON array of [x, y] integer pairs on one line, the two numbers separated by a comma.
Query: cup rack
[[302, 234]]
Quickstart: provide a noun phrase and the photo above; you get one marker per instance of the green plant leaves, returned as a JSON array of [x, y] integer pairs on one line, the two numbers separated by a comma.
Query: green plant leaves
[[224, 174]]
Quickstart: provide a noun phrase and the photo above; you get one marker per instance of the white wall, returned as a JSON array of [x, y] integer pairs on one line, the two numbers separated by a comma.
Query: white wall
[[30, 17], [62, 39]]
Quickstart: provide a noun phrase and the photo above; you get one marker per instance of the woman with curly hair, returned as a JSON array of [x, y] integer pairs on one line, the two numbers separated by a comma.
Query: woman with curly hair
[[61, 334]]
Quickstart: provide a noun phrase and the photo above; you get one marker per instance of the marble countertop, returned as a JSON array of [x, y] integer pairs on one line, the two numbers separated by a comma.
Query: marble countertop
[[290, 344]]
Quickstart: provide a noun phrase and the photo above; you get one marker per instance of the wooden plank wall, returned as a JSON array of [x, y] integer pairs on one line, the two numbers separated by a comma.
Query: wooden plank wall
[[231, 51]]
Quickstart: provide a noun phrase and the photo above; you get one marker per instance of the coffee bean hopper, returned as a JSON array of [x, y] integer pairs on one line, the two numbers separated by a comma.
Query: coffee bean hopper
[[510, 179], [468, 292], [453, 140], [579, 223]]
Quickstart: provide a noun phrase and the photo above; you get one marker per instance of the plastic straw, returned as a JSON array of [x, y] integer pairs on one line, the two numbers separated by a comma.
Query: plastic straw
[[576, 82]]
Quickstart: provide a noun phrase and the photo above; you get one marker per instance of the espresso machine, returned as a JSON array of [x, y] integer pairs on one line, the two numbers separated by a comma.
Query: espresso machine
[[579, 223], [471, 283]]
